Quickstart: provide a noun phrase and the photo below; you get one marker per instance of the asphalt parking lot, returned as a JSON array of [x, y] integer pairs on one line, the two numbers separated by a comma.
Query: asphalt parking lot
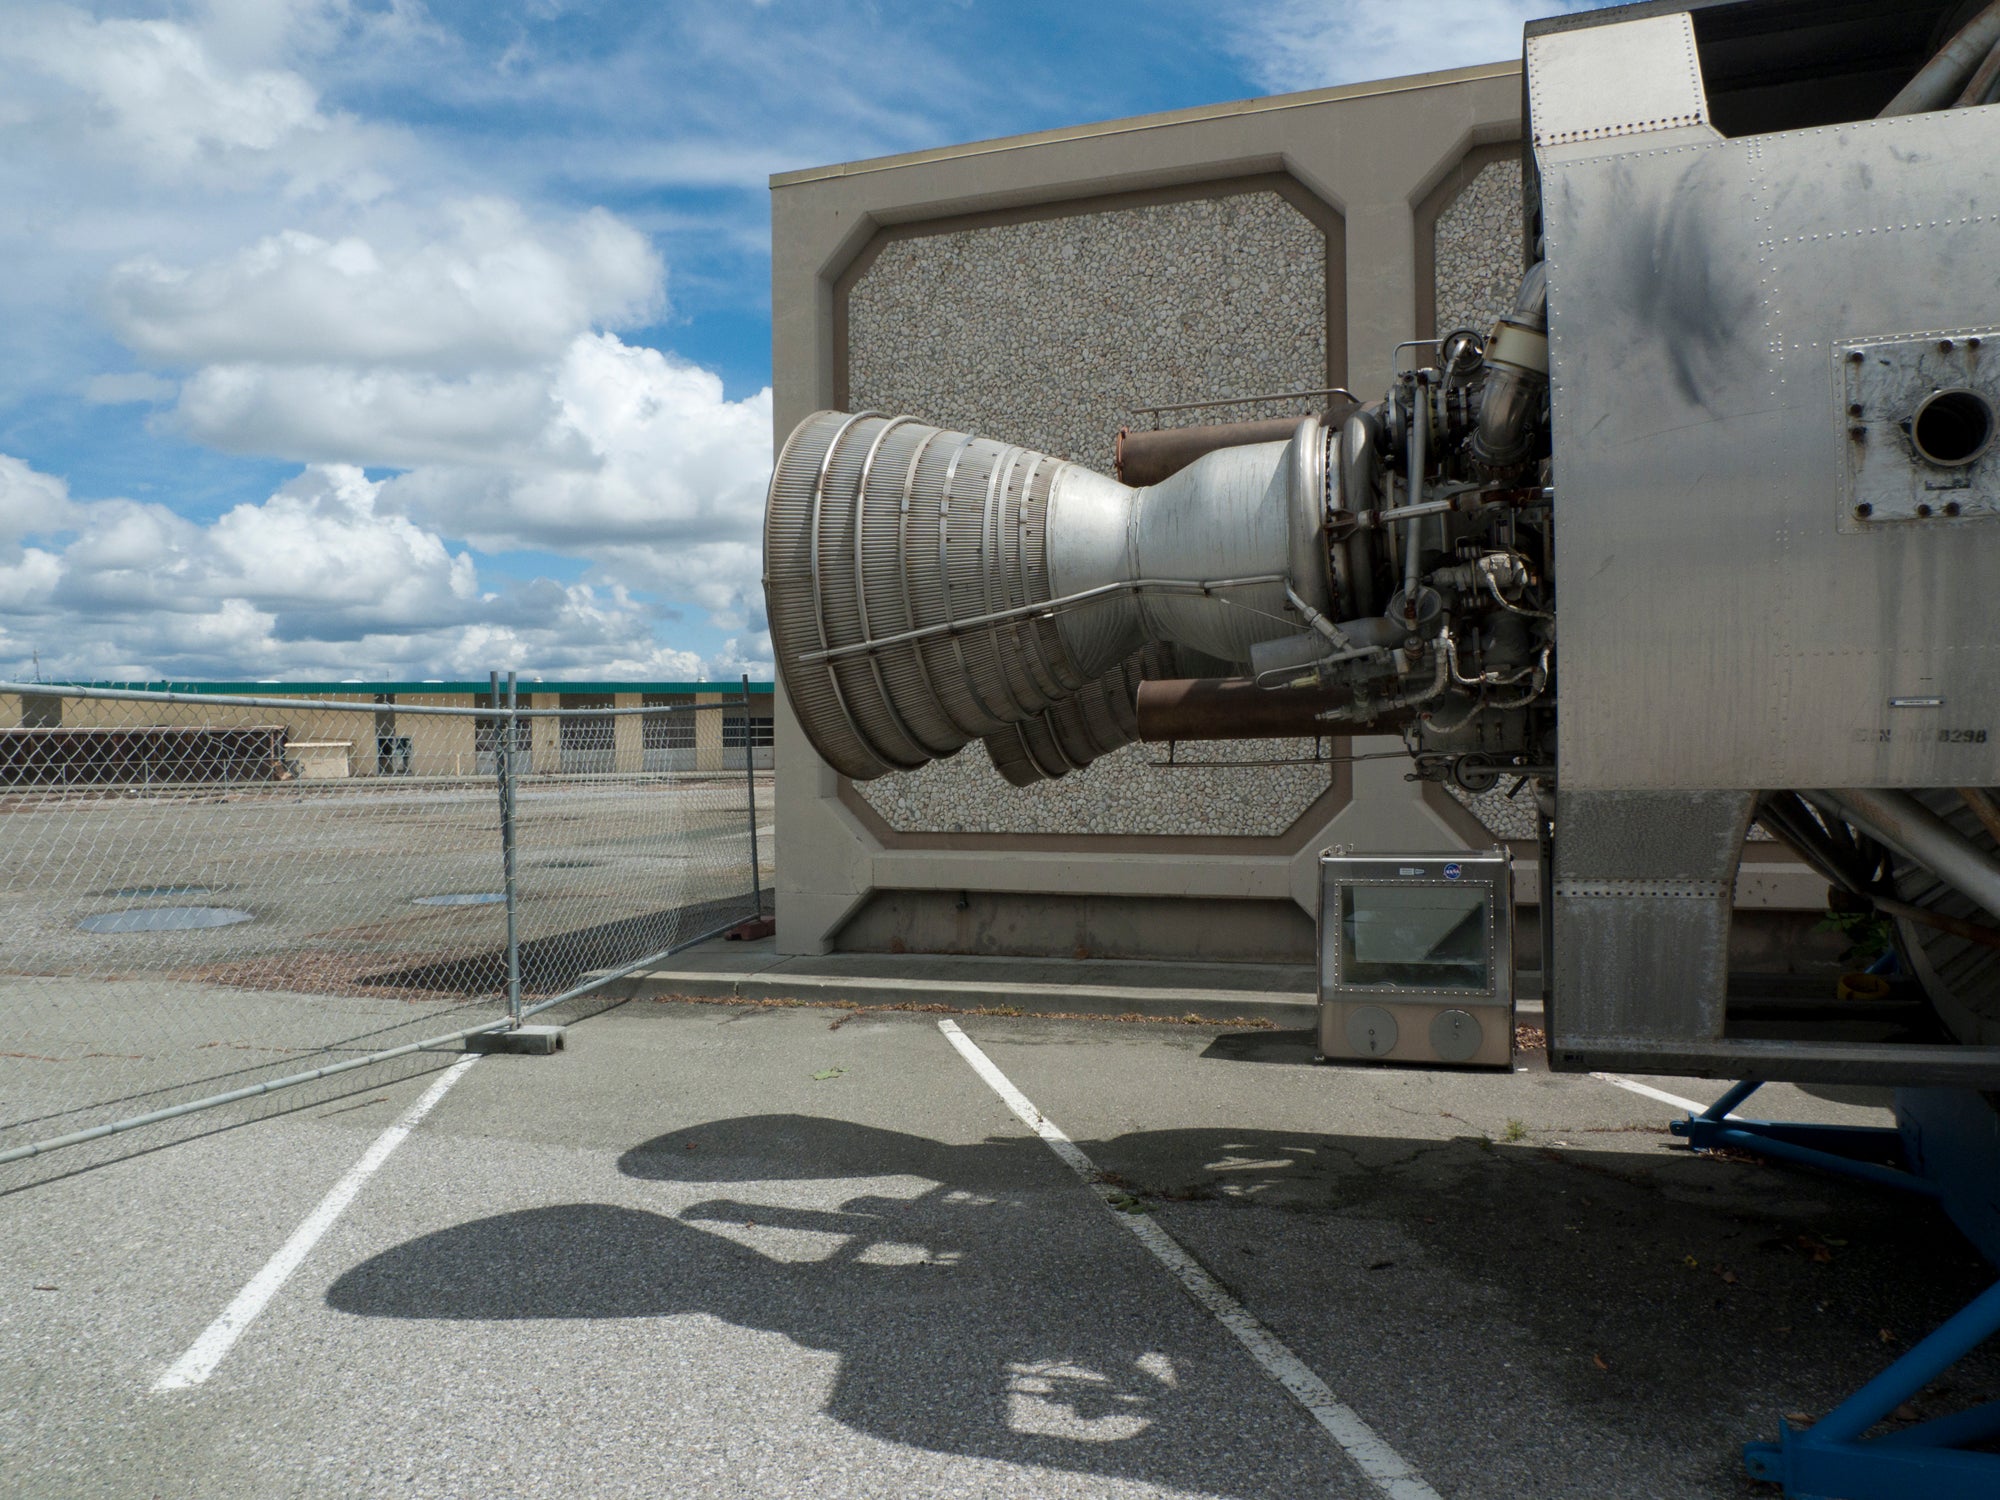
[[363, 915], [728, 1250]]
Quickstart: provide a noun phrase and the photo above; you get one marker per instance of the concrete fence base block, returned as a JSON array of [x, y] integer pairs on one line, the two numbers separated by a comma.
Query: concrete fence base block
[[533, 1041]]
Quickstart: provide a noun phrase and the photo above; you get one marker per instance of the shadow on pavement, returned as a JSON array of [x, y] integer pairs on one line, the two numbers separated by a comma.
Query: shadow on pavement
[[554, 963], [969, 1319], [1299, 1048], [982, 1317]]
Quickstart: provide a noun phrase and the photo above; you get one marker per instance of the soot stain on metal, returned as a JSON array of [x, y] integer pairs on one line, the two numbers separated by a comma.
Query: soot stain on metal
[[1681, 296]]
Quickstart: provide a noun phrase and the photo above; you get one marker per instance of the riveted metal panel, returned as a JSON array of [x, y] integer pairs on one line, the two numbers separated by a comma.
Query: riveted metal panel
[[1720, 627], [1627, 78], [1644, 882]]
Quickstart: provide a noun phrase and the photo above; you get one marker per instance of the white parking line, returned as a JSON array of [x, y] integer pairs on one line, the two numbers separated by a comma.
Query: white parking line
[[195, 1366], [1692, 1106], [1386, 1469]]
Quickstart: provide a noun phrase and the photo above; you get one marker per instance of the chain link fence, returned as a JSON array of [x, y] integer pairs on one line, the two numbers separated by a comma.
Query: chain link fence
[[203, 899]]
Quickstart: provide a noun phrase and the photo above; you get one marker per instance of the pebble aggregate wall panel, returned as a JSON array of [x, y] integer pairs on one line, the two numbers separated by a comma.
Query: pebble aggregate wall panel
[[1047, 333]]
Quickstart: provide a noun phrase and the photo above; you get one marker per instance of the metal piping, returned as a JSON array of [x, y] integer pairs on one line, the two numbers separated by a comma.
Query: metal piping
[[1939, 79], [1047, 606], [1148, 456], [966, 675], [1095, 720], [1318, 622], [1360, 443], [1033, 649], [923, 670], [1517, 372], [1904, 824], [1377, 710], [1324, 390], [1985, 80], [1983, 808], [1235, 708], [1419, 458], [998, 481]]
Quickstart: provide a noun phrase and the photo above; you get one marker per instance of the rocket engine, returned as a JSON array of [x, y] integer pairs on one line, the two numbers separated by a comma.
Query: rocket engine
[[1705, 531]]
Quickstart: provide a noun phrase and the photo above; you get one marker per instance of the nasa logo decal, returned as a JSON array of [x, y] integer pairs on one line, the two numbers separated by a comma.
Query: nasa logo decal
[[1452, 872]]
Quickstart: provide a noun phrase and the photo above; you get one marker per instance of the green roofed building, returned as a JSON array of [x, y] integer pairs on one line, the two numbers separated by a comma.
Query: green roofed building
[[366, 728]]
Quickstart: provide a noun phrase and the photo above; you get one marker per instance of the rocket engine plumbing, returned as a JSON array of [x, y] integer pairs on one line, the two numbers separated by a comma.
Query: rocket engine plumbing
[[1387, 568]]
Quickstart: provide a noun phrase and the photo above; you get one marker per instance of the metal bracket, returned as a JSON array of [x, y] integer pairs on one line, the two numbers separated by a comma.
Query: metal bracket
[[1857, 1151], [1926, 1462]]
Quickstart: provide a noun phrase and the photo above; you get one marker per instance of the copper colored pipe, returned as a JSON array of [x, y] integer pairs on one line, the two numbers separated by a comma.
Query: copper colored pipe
[[1235, 708], [1150, 455], [1958, 927], [1888, 906], [1983, 808]]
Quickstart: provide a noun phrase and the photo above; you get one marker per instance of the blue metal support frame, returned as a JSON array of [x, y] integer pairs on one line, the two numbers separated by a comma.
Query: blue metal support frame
[[1831, 1460], [1845, 1149]]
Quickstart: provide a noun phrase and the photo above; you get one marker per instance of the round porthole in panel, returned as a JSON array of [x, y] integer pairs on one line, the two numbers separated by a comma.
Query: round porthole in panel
[[1371, 1031], [1952, 428], [1455, 1036]]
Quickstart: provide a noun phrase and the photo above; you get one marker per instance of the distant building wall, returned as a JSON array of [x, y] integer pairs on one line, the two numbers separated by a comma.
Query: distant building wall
[[382, 737], [708, 735]]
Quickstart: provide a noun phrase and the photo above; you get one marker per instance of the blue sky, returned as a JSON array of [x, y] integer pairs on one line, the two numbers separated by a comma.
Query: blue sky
[[375, 337]]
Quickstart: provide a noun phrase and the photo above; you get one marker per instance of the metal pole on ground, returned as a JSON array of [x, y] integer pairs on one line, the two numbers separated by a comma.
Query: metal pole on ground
[[507, 850], [750, 781]]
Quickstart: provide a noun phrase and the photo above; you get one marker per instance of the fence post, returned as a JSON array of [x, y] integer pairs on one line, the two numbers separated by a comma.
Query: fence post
[[507, 754], [750, 781]]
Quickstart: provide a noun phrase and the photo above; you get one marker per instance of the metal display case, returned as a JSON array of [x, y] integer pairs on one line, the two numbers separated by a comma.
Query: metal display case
[[1417, 957]]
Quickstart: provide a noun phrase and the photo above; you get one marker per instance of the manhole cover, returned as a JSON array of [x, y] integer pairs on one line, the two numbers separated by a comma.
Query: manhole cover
[[164, 919], [476, 898], [149, 892]]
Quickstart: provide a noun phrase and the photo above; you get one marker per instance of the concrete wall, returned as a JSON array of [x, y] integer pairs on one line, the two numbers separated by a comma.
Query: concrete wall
[[440, 744], [1046, 326], [627, 735], [544, 735], [1040, 290], [708, 735], [301, 724]]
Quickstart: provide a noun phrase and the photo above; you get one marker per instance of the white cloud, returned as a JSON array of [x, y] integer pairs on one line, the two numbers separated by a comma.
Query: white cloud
[[486, 286], [621, 454], [157, 102], [469, 344], [294, 281], [640, 447], [30, 504], [1308, 44], [319, 579], [31, 579], [318, 547], [153, 84], [344, 414]]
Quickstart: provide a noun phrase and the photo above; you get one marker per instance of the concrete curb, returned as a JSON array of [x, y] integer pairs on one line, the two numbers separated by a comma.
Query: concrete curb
[[1283, 1010], [1271, 1009]]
